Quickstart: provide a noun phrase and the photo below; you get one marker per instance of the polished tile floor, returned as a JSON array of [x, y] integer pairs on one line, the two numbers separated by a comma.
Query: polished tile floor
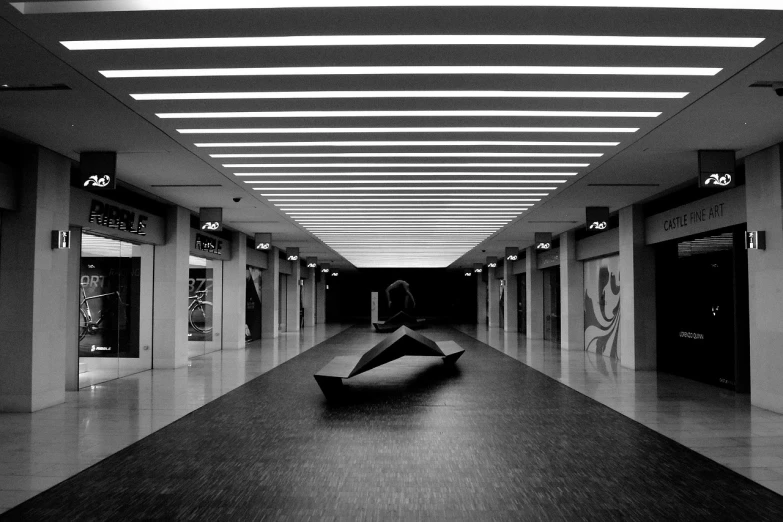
[[716, 423], [41, 449]]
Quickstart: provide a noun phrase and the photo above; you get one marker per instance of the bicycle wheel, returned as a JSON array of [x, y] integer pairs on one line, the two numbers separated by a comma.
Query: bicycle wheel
[[84, 325], [201, 317]]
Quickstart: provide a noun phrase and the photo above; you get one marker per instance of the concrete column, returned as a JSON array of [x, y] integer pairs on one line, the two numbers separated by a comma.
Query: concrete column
[[493, 305], [638, 330], [764, 196], [235, 293], [320, 299], [572, 314], [294, 302], [510, 298], [170, 295], [34, 287], [481, 299], [308, 297], [534, 297], [34, 294], [270, 295]]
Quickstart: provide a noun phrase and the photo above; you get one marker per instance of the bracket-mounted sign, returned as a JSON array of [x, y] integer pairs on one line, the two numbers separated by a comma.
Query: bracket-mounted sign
[[512, 253], [492, 262], [263, 241], [478, 268], [543, 240], [210, 219], [755, 240], [311, 262], [325, 268], [98, 170], [61, 239], [716, 169], [292, 254], [596, 219]]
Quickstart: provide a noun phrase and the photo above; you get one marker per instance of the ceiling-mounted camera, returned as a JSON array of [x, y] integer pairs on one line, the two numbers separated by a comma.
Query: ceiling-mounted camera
[[237, 200]]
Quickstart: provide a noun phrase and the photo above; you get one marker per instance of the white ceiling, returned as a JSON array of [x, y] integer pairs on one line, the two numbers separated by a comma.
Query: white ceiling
[[720, 111]]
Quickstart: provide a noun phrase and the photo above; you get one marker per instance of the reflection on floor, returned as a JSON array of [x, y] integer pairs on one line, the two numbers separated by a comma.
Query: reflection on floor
[[41, 449], [719, 424]]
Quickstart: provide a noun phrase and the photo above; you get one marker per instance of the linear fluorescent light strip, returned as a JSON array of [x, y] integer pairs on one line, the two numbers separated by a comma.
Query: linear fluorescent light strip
[[413, 70], [409, 114], [310, 200], [419, 155], [108, 6], [394, 165], [413, 190], [323, 95], [400, 174], [425, 194], [410, 181], [408, 39], [410, 144], [405, 130]]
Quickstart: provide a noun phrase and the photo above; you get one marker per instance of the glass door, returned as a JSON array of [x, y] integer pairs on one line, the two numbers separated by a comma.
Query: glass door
[[552, 304], [205, 305]]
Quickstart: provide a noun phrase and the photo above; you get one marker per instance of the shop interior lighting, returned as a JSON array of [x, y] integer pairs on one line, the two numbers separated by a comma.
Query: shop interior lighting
[[409, 114], [408, 39], [462, 70], [405, 130], [411, 144], [106, 6]]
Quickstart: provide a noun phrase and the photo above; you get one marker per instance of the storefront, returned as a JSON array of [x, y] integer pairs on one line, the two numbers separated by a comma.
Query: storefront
[[549, 263], [257, 263], [112, 257], [205, 292], [702, 289]]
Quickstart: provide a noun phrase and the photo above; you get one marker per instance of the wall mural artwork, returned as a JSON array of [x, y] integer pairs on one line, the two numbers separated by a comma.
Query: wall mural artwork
[[602, 305]]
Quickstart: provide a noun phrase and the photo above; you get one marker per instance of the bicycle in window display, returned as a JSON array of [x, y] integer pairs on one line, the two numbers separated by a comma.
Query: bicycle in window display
[[199, 312], [87, 323]]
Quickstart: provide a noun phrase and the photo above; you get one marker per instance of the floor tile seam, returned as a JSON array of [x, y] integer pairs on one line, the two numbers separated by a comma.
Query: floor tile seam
[[657, 433]]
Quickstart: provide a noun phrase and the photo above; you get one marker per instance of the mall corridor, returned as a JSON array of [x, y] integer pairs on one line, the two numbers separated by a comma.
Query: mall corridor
[[488, 438]]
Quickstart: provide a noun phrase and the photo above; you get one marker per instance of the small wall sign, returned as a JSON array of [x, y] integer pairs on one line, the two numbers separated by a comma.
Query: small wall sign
[[755, 240], [208, 244], [112, 216], [61, 239]]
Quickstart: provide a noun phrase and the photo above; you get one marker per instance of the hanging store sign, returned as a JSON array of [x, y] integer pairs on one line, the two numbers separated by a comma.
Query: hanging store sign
[[209, 246], [596, 218], [210, 219], [492, 262], [512, 253], [292, 254], [98, 170], [108, 218], [263, 241], [716, 169], [543, 240], [720, 210]]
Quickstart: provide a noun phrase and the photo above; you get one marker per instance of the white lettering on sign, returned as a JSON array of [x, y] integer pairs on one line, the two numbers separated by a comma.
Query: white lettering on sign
[[210, 225], [598, 225], [207, 244], [112, 216], [95, 181], [691, 335]]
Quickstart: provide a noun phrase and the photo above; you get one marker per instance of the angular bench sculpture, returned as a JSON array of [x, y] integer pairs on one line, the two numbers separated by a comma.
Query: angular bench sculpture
[[403, 341], [397, 320]]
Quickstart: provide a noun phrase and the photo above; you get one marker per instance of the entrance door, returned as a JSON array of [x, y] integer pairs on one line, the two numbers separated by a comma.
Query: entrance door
[[700, 332], [522, 303], [205, 305], [115, 309], [552, 304]]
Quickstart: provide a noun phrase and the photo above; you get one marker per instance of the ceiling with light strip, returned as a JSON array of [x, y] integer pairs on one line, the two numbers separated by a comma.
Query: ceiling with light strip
[[406, 134]]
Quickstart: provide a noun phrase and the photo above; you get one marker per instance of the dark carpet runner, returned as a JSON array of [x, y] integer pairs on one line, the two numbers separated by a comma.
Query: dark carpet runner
[[489, 439]]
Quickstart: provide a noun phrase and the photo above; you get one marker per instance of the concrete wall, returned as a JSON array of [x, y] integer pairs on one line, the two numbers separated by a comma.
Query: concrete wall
[[764, 197], [34, 287]]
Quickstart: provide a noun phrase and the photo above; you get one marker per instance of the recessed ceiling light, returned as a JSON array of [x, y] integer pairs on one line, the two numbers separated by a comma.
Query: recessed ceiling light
[[411, 114], [418, 155], [406, 130], [462, 70], [409, 39], [393, 165], [390, 174], [412, 144], [105, 6], [410, 181]]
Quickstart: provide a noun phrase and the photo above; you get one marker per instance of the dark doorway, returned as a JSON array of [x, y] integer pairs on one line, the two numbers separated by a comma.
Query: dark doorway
[[552, 304]]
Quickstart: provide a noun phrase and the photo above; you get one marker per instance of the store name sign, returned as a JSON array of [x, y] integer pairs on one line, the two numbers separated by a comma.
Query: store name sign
[[208, 244], [119, 218], [721, 210]]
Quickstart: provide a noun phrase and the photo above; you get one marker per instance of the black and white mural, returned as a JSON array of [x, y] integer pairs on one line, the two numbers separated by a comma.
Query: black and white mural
[[602, 305]]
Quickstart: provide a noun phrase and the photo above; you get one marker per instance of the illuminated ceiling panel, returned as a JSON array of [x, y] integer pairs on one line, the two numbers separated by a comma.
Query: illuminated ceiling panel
[[397, 188]]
